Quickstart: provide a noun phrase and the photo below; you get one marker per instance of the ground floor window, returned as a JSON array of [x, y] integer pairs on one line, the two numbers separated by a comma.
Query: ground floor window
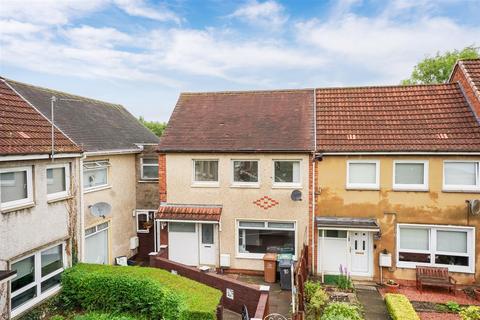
[[255, 238], [96, 244], [37, 276], [452, 247]]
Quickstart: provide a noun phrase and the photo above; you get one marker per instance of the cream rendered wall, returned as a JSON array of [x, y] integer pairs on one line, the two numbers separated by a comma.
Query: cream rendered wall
[[120, 194], [238, 202]]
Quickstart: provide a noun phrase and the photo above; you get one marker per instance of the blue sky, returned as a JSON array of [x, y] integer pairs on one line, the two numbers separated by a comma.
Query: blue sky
[[143, 53]]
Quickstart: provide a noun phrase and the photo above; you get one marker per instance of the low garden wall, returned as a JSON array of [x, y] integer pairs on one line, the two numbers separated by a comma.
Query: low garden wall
[[236, 294]]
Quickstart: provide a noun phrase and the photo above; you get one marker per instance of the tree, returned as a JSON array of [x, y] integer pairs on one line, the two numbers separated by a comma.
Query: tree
[[437, 69], [154, 126]]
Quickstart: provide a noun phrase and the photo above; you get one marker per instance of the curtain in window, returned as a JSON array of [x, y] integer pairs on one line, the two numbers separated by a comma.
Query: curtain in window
[[13, 186], [460, 173], [452, 241], [56, 180], [414, 239], [409, 173], [362, 173]]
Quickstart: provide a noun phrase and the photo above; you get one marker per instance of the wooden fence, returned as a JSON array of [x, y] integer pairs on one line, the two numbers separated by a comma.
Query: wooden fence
[[300, 275]]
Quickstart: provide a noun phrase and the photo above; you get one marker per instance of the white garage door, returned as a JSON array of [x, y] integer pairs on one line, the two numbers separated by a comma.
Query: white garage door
[[183, 243], [96, 244]]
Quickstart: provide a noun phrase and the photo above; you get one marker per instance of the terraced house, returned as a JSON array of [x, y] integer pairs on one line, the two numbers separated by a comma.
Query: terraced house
[[39, 204], [117, 178]]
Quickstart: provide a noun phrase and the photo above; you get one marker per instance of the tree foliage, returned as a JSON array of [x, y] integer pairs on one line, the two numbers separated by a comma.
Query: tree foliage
[[437, 69], [156, 127]]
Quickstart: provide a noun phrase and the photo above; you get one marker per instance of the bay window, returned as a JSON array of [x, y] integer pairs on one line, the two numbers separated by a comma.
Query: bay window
[[451, 247], [461, 176], [58, 181], [245, 172], [363, 174], [16, 187], [205, 172], [410, 175], [286, 173], [255, 238], [95, 174], [38, 276]]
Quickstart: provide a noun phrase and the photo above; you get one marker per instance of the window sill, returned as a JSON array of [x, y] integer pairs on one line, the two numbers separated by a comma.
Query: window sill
[[397, 189], [50, 201], [246, 186], [89, 190], [205, 185], [289, 186], [18, 207], [461, 190], [406, 265], [355, 188], [148, 181]]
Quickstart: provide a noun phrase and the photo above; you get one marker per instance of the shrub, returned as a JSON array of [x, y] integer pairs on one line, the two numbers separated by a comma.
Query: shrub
[[310, 288], [57, 317], [318, 301], [341, 311], [147, 292], [399, 307], [453, 306], [470, 313], [103, 316]]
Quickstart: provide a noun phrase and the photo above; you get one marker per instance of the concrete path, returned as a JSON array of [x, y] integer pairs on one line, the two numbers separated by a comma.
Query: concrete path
[[373, 304]]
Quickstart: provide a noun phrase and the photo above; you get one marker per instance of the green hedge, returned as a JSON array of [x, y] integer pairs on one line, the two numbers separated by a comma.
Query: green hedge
[[147, 292], [399, 307]]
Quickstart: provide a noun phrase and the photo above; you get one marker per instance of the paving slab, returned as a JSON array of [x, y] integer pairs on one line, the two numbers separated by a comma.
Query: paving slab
[[373, 304]]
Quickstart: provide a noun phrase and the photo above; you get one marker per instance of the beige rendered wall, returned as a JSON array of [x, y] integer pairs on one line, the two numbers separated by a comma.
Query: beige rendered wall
[[238, 202], [392, 207], [120, 194]]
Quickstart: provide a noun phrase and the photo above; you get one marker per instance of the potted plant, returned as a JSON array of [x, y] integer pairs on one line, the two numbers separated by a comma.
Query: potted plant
[[392, 286]]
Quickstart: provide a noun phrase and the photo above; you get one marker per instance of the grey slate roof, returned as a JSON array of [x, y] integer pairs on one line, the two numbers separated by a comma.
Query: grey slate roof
[[92, 124]]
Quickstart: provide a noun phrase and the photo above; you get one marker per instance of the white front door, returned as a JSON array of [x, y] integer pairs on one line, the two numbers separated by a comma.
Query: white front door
[[360, 252], [207, 244], [183, 243]]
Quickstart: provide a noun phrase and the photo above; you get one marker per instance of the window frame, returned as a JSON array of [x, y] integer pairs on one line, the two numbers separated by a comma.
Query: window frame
[[411, 187], [462, 188], [142, 165], [38, 279], [432, 244], [364, 186], [259, 256], [21, 202], [236, 184], [208, 184], [147, 213], [99, 164], [61, 194], [296, 185]]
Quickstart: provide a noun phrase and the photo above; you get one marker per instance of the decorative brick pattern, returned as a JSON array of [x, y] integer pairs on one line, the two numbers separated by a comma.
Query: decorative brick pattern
[[265, 202]]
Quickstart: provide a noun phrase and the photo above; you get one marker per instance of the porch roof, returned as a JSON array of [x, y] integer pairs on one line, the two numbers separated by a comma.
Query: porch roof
[[347, 223], [184, 212]]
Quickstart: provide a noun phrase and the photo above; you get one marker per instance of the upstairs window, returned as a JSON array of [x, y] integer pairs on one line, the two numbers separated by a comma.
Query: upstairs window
[[205, 172], [245, 172], [58, 181], [461, 176], [95, 174], [149, 168], [16, 187], [286, 173], [410, 175], [363, 174]]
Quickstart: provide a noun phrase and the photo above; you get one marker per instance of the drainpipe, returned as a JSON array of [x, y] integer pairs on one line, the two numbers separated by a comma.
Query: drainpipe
[[313, 177], [82, 213]]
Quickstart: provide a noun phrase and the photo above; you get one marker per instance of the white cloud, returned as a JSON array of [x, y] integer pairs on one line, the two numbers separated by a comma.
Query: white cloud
[[268, 14], [90, 37], [140, 9]]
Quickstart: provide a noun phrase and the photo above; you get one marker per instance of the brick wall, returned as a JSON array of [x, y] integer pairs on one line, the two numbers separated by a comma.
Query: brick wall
[[459, 76], [251, 296], [162, 177]]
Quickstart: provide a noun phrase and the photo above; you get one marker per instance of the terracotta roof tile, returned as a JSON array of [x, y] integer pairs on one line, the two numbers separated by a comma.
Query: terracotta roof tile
[[23, 130], [247, 121], [187, 212], [472, 70], [418, 118]]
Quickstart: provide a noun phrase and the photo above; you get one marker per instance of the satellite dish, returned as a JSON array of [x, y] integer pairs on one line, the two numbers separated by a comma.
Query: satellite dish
[[100, 209], [296, 195], [474, 206]]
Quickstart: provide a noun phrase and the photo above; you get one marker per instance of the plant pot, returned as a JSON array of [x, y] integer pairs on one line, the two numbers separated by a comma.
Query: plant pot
[[392, 287], [477, 293]]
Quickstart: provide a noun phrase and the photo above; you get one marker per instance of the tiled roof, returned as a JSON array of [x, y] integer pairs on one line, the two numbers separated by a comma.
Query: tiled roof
[[23, 130], [95, 125], [472, 70], [189, 212], [421, 118], [247, 121]]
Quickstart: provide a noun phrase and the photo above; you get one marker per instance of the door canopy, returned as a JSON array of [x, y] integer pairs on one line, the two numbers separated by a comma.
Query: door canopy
[[346, 223], [185, 212]]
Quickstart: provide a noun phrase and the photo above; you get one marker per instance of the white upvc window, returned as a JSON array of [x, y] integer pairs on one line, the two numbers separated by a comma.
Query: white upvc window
[[145, 220], [363, 174], [149, 168], [95, 174], [16, 187], [38, 277], [256, 237], [245, 173], [436, 245], [205, 172], [410, 175], [58, 181], [287, 173], [461, 175]]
